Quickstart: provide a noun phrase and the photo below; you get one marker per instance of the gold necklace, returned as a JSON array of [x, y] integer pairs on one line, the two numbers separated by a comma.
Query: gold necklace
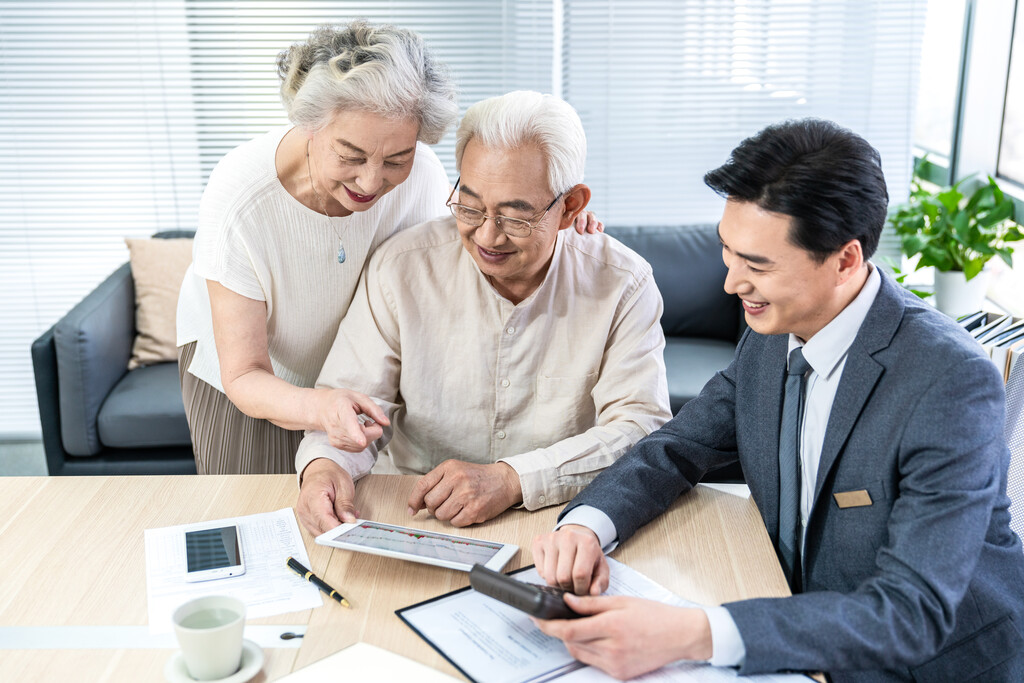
[[323, 207]]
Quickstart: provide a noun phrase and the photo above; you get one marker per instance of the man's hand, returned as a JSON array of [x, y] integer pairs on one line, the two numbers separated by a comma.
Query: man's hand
[[627, 637], [465, 493], [587, 222], [571, 559], [326, 497], [338, 412]]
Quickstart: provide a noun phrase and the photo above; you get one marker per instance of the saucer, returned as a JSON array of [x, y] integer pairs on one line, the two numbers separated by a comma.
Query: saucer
[[252, 662]]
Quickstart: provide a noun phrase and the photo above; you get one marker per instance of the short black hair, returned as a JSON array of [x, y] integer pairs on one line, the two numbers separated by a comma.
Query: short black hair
[[826, 178]]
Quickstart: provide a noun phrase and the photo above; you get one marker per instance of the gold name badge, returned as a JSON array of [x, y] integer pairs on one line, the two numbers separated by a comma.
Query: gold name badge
[[853, 499]]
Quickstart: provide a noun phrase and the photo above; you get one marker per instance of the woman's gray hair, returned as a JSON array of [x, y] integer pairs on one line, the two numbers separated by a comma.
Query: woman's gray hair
[[522, 117], [380, 69]]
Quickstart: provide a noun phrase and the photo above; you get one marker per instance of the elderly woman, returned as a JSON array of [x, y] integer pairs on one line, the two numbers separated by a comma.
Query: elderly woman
[[286, 223], [285, 226], [523, 356]]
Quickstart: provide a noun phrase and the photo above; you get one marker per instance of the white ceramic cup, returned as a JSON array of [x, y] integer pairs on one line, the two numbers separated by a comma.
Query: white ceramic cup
[[209, 631]]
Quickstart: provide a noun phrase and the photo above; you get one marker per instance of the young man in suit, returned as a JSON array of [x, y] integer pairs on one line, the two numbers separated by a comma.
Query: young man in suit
[[870, 430]]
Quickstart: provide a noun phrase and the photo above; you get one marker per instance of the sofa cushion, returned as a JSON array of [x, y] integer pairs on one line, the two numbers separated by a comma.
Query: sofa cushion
[[158, 267], [690, 363], [145, 409], [689, 272]]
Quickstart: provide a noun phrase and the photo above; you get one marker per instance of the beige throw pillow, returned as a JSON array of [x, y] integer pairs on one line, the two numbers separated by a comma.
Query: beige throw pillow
[[158, 268]]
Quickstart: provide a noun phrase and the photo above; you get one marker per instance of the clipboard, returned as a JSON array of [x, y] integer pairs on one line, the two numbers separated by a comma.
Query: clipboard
[[413, 616], [504, 622]]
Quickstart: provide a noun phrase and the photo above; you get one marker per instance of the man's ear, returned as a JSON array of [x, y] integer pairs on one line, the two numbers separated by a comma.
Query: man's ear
[[850, 259], [574, 201]]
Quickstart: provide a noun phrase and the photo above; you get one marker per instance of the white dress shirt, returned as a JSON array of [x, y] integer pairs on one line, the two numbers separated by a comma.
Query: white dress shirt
[[557, 386], [826, 353]]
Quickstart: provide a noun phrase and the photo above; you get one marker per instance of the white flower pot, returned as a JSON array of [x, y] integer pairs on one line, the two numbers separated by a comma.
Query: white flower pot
[[956, 296]]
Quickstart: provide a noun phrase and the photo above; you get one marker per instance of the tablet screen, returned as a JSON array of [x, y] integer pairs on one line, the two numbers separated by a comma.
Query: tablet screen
[[421, 543]]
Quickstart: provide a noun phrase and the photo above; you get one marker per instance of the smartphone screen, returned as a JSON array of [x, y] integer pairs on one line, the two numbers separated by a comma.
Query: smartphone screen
[[212, 549]]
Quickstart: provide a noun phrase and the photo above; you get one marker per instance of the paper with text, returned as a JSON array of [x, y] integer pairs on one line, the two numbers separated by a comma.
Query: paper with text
[[492, 642], [268, 587]]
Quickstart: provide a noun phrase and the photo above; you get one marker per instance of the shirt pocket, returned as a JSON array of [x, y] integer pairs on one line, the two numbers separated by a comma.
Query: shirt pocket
[[563, 407]]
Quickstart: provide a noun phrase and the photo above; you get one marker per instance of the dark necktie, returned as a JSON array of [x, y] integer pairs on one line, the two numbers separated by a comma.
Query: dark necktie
[[789, 467]]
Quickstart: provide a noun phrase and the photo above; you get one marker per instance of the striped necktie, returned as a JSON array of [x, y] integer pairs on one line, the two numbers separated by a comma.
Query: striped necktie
[[789, 467]]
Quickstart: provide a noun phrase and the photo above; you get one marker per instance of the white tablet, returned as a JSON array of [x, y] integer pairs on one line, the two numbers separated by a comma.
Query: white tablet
[[417, 545]]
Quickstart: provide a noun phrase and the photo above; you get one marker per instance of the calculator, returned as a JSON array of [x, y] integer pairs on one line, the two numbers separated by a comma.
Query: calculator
[[543, 602]]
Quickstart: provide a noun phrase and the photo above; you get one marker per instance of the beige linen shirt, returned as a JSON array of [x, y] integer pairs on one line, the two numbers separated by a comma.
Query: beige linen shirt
[[558, 386]]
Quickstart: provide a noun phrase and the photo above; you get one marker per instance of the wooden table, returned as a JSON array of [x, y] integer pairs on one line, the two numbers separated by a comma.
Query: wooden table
[[711, 547]]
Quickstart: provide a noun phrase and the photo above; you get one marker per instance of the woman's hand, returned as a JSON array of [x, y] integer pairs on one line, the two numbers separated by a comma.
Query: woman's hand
[[351, 419], [586, 221]]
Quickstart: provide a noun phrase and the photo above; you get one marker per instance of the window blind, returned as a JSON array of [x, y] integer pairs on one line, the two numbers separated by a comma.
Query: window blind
[[113, 113], [667, 88]]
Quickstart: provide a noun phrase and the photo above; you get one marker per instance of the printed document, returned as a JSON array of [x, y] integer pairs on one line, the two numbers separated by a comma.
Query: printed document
[[267, 587], [493, 642]]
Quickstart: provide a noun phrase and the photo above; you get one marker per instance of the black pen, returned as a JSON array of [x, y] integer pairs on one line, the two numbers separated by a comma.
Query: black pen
[[297, 567]]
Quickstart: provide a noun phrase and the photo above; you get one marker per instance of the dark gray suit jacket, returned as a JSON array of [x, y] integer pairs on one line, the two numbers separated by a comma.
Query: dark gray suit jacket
[[924, 584]]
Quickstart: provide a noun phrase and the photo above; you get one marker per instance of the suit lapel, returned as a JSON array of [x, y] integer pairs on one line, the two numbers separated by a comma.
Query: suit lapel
[[764, 461], [860, 374]]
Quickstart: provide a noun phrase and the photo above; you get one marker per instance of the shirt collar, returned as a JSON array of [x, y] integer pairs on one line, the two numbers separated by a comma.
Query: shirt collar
[[828, 347]]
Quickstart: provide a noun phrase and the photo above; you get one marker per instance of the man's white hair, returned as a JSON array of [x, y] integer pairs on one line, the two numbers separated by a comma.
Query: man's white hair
[[523, 117]]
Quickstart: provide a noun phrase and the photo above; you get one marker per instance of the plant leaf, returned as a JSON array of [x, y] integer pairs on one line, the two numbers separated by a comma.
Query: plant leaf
[[914, 243], [997, 215], [973, 267], [961, 228], [950, 199]]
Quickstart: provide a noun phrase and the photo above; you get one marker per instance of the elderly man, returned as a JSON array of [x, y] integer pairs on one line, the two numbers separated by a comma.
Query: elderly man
[[514, 359]]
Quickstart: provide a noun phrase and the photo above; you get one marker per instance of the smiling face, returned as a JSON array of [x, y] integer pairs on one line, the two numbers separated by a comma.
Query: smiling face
[[511, 183], [782, 287], [359, 157]]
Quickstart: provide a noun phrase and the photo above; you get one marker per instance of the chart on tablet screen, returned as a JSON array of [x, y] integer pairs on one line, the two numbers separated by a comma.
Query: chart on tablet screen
[[422, 543]]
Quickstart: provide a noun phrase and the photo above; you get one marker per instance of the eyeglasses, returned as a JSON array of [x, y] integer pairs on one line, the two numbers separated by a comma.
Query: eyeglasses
[[474, 218]]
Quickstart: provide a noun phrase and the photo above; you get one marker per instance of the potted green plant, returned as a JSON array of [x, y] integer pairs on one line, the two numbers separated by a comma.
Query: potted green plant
[[957, 229]]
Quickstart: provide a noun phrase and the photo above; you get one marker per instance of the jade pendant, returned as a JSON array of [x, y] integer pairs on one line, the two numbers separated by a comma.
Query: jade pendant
[[341, 252]]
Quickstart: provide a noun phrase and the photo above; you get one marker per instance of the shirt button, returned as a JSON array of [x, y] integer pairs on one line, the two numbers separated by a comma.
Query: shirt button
[[510, 329], [541, 499], [500, 435], [505, 382]]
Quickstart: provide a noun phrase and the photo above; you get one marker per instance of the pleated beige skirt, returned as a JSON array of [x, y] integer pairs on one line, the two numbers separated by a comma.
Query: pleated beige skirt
[[224, 439]]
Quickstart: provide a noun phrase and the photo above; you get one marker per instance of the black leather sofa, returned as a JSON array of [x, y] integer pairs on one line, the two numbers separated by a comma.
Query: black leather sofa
[[99, 418]]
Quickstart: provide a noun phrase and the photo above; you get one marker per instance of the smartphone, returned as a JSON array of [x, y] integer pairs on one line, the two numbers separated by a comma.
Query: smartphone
[[214, 553], [418, 545], [543, 602]]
